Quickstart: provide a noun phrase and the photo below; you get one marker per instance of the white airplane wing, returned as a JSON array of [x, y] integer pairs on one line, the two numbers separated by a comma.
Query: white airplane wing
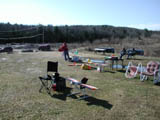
[[89, 87], [74, 81]]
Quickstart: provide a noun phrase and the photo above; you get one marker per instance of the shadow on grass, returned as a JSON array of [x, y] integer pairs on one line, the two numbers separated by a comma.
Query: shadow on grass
[[91, 100], [94, 101], [98, 102], [157, 84], [110, 71], [62, 95], [122, 71], [135, 59]]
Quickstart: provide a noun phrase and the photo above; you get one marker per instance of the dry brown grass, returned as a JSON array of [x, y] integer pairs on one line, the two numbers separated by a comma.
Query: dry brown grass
[[117, 99], [149, 45]]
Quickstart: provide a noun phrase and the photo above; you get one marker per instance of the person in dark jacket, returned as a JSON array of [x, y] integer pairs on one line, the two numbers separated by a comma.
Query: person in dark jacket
[[64, 49], [123, 52], [131, 53]]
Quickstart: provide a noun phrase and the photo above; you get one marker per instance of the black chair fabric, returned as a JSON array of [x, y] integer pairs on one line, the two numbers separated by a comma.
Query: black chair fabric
[[83, 81], [52, 66]]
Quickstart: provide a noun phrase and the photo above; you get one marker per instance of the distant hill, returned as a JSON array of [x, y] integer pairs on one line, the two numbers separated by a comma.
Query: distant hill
[[94, 34]]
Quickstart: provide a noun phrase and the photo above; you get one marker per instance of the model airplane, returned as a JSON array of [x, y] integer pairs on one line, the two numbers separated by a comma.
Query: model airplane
[[80, 86], [75, 64]]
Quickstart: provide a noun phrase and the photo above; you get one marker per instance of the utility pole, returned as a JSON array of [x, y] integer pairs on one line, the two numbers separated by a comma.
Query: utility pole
[[43, 34]]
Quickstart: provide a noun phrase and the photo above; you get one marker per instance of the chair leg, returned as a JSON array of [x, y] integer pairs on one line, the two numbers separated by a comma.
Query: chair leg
[[156, 78], [40, 90], [75, 93], [45, 85], [127, 70], [84, 95], [143, 77]]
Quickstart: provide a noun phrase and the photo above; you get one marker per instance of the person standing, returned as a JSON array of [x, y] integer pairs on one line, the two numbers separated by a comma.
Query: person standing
[[123, 52], [64, 49], [131, 53]]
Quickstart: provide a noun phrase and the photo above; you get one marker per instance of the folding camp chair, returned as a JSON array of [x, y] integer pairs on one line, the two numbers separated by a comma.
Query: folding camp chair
[[132, 70], [152, 69], [49, 80]]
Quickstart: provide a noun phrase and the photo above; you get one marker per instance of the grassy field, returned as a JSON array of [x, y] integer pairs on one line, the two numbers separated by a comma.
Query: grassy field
[[118, 98]]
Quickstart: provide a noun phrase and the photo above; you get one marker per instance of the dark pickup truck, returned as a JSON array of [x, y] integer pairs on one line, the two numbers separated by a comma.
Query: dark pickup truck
[[135, 52]]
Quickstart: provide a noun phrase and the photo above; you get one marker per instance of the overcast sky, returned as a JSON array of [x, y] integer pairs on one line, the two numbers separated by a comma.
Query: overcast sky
[[128, 13]]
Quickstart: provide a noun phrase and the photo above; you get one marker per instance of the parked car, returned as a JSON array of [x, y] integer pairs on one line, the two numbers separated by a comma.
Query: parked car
[[44, 47], [135, 52], [6, 49], [104, 50], [139, 52]]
